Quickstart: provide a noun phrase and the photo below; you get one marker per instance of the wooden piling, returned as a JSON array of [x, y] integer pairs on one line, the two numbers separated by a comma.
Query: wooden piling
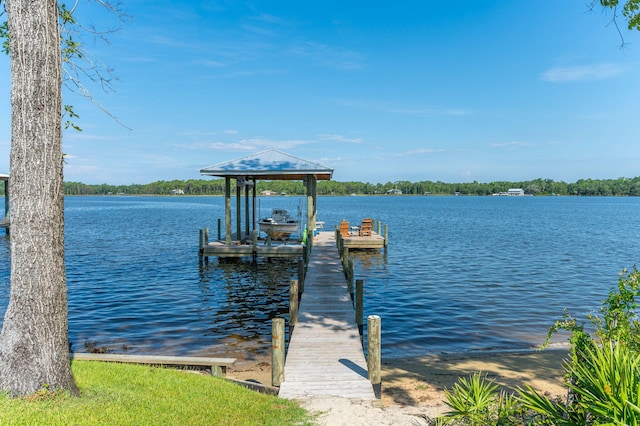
[[254, 251], [373, 351], [350, 279], [238, 214], [306, 254], [206, 236], [277, 351], [201, 241], [351, 271], [301, 276], [360, 306], [219, 230], [386, 236], [310, 238], [345, 258], [293, 304]]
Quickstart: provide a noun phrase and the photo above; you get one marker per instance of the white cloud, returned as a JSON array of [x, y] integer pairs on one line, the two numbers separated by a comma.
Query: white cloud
[[582, 72], [167, 41], [75, 172], [76, 136], [255, 144], [419, 151], [512, 144], [424, 111], [330, 56], [211, 64]]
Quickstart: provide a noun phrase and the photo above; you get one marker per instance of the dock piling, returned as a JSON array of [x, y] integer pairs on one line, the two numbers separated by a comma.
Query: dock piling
[[277, 351], [373, 351], [350, 275], [294, 298], [386, 236], [360, 306], [301, 276]]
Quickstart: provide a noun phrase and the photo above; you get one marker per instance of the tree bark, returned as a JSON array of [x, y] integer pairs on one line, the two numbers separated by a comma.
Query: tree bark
[[34, 349]]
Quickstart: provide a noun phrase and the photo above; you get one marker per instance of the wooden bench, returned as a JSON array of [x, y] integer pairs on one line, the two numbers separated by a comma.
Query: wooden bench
[[218, 365]]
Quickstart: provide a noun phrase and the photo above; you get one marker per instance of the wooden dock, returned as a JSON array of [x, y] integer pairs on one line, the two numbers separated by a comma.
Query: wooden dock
[[325, 355], [373, 241], [220, 249]]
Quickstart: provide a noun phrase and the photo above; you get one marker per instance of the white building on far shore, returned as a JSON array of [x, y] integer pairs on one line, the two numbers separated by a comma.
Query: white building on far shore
[[516, 192]]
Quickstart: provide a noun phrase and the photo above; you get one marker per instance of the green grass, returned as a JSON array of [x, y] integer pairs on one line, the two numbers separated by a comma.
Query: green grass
[[125, 394]]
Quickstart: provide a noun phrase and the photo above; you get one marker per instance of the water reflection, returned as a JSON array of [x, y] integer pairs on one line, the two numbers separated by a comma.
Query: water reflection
[[241, 299]]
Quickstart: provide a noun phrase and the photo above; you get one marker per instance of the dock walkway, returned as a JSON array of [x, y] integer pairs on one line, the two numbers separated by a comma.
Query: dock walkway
[[325, 356]]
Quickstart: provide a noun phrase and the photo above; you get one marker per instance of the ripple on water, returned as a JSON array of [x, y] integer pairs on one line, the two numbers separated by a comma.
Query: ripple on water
[[461, 273]]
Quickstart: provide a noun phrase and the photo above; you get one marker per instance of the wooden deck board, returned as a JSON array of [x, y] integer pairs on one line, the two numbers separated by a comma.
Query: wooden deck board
[[325, 354], [218, 365]]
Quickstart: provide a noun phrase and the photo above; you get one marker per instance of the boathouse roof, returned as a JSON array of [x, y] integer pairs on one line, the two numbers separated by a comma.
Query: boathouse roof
[[269, 165]]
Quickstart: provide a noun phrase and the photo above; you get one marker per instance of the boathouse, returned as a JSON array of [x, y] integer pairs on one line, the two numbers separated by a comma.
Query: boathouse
[[245, 172]]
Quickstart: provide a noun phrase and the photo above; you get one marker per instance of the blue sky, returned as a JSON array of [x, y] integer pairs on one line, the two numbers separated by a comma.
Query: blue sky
[[378, 91]]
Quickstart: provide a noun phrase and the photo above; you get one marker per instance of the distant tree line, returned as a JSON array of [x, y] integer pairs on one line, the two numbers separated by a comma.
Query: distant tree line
[[588, 187]]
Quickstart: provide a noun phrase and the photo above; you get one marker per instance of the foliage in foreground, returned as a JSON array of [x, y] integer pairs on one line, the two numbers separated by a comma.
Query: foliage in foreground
[[603, 375], [477, 401], [124, 394]]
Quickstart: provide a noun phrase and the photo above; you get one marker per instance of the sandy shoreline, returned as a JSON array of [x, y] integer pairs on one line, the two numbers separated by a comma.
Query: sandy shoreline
[[416, 385]]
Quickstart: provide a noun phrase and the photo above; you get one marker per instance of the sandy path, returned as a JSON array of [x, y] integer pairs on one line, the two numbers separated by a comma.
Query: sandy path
[[413, 388]]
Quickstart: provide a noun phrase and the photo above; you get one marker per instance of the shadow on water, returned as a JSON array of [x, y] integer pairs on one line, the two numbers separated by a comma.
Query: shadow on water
[[241, 298]]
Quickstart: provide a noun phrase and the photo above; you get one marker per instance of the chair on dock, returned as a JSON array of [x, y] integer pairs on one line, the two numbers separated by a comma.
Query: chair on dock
[[366, 228], [344, 229]]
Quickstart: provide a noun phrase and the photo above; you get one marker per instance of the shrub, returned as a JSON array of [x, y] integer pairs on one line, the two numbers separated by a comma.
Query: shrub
[[603, 374], [477, 401]]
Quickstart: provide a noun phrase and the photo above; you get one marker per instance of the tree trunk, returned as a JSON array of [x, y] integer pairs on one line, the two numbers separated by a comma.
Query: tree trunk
[[34, 349]]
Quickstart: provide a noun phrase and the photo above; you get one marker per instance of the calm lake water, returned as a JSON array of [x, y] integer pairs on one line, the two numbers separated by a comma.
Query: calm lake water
[[460, 274]]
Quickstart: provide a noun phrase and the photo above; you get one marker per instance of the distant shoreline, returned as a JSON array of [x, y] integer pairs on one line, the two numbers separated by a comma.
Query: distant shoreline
[[345, 195], [582, 187]]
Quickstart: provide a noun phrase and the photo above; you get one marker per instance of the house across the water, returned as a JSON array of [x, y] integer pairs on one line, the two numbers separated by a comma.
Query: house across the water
[[517, 192]]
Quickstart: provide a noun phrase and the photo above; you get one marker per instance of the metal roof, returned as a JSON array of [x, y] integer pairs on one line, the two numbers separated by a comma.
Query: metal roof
[[269, 165]]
